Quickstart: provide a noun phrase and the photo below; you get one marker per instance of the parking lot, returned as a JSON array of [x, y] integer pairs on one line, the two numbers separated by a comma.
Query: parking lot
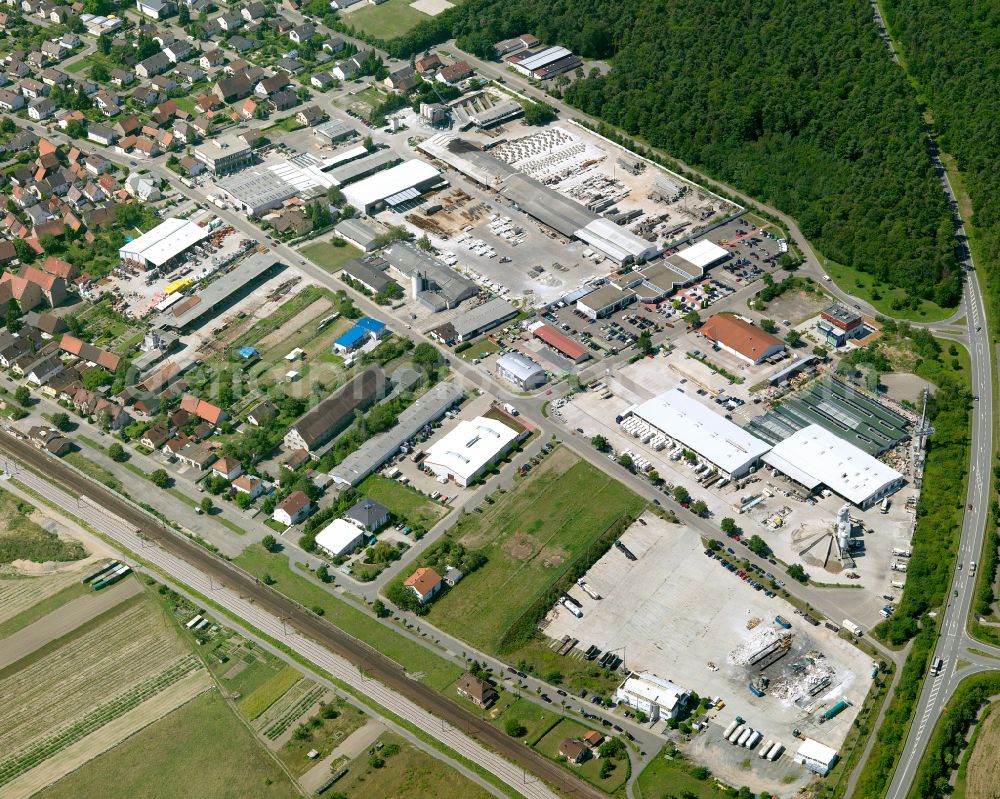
[[680, 614]]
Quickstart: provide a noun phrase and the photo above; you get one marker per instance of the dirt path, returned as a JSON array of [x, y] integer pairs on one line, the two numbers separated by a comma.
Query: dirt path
[[64, 620], [352, 746], [108, 736], [283, 333]]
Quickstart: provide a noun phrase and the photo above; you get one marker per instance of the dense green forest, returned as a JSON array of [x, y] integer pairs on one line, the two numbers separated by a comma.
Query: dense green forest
[[796, 102], [951, 50]]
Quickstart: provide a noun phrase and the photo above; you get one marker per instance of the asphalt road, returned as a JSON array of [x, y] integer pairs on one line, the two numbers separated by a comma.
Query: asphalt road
[[190, 563], [954, 640]]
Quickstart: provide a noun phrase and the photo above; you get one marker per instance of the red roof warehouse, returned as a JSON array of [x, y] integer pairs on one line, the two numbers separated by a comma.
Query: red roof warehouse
[[573, 350]]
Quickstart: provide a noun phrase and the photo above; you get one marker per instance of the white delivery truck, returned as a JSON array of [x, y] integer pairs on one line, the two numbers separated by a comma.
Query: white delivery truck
[[854, 628]]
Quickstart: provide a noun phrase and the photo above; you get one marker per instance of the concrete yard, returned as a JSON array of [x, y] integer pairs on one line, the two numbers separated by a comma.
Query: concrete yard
[[679, 614]]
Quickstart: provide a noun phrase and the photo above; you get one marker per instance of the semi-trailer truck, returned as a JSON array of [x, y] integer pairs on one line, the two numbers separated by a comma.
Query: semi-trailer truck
[[729, 730], [776, 751], [854, 628], [765, 749], [744, 736], [899, 552], [735, 734], [753, 740]]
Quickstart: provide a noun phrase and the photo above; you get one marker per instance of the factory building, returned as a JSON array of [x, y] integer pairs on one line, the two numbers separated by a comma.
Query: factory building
[[379, 448], [546, 63], [431, 282], [716, 440], [470, 449], [520, 370], [224, 154], [483, 317], [703, 254], [392, 187], [564, 345], [656, 697], [604, 301], [740, 338], [814, 457], [163, 245]]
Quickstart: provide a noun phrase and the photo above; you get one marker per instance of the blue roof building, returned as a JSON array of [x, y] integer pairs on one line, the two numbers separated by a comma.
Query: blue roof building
[[246, 353], [351, 340], [373, 326]]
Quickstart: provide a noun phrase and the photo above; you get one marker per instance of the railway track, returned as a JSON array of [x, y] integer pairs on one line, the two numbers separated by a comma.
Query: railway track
[[303, 621]]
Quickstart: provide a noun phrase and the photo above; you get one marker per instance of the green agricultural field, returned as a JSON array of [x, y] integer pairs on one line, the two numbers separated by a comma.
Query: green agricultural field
[[414, 657], [23, 539], [590, 769], [43, 608], [201, 749], [531, 537], [404, 772], [270, 692], [403, 501], [386, 21], [329, 256]]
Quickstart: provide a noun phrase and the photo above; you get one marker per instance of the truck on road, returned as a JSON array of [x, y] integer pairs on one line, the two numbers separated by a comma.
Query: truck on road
[[854, 628]]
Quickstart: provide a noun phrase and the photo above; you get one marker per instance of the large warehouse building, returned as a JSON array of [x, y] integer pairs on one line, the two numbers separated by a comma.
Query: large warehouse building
[[716, 440], [392, 187], [163, 245], [469, 449], [815, 457], [740, 338]]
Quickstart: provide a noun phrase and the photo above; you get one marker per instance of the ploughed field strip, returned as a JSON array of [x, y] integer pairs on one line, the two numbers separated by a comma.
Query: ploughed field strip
[[93, 678]]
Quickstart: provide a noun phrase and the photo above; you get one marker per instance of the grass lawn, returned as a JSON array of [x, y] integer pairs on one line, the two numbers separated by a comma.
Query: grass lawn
[[437, 672], [91, 469], [404, 502], [663, 777], [864, 286], [288, 124], [21, 538], [386, 21], [530, 537], [481, 349], [185, 104], [329, 256], [536, 719], [200, 749], [590, 769], [405, 773]]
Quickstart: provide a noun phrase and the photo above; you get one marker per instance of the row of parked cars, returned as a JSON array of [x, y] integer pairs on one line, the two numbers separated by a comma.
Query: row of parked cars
[[744, 574]]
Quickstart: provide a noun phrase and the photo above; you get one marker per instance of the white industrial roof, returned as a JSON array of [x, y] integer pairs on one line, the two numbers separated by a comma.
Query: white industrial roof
[[702, 430], [814, 750], [164, 242], [615, 241], [544, 57], [389, 182], [704, 253], [470, 446], [814, 456], [339, 537], [654, 689], [519, 365]]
